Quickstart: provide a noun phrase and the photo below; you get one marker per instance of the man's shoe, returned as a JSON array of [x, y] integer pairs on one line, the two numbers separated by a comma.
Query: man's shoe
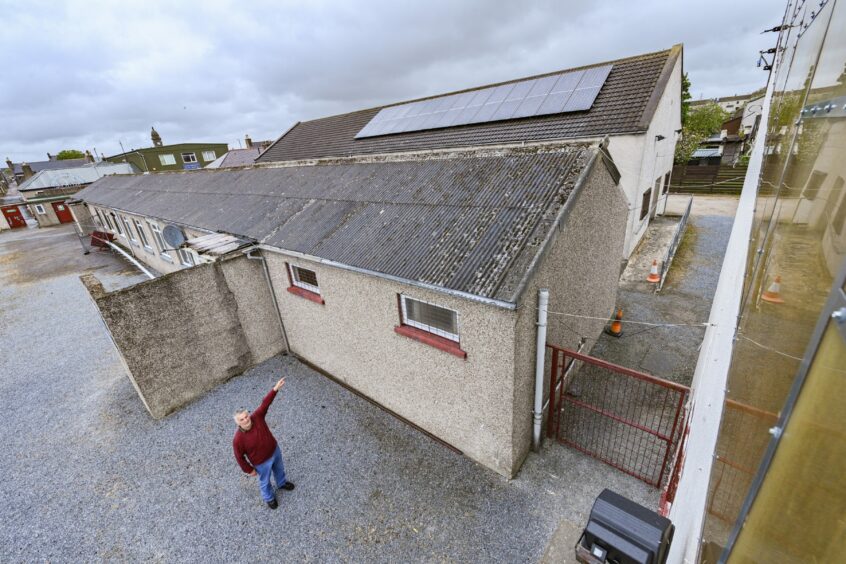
[[273, 504], [287, 486]]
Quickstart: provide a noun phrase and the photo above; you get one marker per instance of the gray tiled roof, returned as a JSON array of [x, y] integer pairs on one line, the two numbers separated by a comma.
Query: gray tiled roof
[[467, 223], [236, 157], [624, 105]]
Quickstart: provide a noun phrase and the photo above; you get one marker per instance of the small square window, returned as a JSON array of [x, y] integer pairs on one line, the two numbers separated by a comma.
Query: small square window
[[430, 317], [189, 158], [304, 278], [39, 209], [185, 257], [168, 159], [209, 156]]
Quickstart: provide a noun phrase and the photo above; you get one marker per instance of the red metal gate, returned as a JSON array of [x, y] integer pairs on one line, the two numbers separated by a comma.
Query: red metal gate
[[628, 419]]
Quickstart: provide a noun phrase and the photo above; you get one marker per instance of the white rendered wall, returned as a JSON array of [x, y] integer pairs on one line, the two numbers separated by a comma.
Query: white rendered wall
[[643, 158]]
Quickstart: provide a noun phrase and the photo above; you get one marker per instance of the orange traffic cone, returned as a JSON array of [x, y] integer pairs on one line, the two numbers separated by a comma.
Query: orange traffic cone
[[773, 293], [653, 273], [616, 328]]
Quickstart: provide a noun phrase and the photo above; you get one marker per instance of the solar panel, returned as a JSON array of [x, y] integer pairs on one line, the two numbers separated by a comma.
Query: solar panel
[[564, 92]]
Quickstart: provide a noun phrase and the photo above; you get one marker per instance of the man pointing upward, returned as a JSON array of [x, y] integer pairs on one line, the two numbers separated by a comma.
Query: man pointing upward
[[257, 451]]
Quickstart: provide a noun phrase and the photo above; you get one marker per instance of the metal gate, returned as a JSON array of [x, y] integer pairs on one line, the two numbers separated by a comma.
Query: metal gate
[[628, 419]]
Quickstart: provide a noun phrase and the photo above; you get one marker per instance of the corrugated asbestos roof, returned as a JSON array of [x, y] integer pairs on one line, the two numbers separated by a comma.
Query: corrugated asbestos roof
[[74, 176], [37, 166], [467, 223], [619, 108]]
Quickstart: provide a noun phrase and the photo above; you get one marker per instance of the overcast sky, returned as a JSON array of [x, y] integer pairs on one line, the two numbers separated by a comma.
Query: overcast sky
[[93, 74]]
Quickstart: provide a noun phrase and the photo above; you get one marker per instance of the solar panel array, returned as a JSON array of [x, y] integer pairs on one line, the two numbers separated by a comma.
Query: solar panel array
[[564, 92]]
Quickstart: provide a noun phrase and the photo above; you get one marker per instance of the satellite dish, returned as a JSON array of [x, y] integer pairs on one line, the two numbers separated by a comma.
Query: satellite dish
[[174, 236]]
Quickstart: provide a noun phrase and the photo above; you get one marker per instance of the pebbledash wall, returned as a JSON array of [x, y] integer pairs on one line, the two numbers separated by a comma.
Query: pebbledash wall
[[482, 405], [183, 334]]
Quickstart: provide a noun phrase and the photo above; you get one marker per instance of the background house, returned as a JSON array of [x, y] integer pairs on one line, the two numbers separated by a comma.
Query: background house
[[635, 101], [179, 156], [241, 157], [46, 193], [411, 278], [23, 170]]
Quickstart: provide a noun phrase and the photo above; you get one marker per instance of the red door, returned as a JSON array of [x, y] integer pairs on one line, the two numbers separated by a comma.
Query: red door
[[13, 217], [63, 212]]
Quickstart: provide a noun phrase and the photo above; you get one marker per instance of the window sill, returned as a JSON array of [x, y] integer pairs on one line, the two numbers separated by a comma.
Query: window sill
[[303, 293], [168, 258], [427, 338]]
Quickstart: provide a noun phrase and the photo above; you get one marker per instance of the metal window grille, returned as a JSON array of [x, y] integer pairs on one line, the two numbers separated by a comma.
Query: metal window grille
[[304, 278], [189, 158], [430, 317]]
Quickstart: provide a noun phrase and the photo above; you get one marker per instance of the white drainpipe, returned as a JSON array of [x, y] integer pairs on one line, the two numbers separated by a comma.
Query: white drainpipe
[[543, 303]]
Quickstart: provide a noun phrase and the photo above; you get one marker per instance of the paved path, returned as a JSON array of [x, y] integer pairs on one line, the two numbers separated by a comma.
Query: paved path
[[89, 476]]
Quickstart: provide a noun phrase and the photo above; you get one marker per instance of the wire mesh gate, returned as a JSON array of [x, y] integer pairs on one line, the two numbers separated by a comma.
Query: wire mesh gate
[[628, 419]]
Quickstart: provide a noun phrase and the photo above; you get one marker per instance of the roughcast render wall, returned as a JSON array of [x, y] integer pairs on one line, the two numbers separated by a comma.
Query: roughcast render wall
[[185, 333]]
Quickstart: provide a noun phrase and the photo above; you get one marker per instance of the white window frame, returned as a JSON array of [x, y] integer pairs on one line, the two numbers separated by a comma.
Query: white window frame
[[192, 158], [293, 270], [108, 221], [39, 209], [429, 328], [185, 257], [209, 156], [99, 217], [167, 159], [132, 236], [118, 228], [142, 235], [159, 239]]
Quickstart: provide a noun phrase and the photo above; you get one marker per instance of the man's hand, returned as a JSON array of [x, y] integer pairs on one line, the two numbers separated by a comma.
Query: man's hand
[[279, 384], [253, 473]]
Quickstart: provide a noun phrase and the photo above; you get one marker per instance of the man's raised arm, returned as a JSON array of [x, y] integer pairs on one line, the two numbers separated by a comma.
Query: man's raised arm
[[268, 399]]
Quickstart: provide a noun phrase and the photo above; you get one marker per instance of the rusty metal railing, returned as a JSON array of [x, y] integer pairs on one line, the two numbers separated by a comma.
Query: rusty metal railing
[[628, 419]]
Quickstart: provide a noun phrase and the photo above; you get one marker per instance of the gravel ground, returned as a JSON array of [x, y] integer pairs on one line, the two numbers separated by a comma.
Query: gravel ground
[[89, 475]]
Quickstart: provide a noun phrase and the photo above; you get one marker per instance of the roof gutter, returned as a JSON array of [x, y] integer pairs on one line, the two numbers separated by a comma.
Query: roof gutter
[[399, 280]]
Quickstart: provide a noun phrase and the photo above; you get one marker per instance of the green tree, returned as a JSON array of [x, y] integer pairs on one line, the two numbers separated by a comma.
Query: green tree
[[685, 98], [701, 123], [69, 154]]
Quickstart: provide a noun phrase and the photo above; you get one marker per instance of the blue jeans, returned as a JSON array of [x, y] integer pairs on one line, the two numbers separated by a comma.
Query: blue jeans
[[273, 464]]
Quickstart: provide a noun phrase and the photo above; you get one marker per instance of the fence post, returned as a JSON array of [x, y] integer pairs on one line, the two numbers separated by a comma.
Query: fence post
[[553, 375]]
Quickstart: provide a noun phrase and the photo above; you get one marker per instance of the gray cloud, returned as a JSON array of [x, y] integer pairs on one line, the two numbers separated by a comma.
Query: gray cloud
[[95, 74]]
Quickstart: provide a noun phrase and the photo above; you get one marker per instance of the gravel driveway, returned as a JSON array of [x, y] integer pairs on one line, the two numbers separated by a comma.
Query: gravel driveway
[[89, 475]]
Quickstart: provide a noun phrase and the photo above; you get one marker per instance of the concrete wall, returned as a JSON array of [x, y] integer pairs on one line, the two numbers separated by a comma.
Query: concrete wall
[[47, 218], [642, 158], [183, 334], [581, 272], [150, 255], [465, 402]]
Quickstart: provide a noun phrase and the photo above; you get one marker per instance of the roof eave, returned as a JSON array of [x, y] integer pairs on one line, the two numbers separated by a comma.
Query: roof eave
[[676, 53]]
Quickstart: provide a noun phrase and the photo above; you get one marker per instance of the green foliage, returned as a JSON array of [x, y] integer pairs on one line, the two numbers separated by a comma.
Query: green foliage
[[685, 98], [69, 154], [701, 123]]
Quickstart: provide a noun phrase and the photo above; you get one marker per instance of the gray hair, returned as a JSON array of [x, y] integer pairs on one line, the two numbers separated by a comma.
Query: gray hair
[[239, 412]]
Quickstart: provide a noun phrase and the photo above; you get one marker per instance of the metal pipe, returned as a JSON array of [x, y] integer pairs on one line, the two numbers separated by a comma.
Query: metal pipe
[[272, 295], [128, 257], [543, 304]]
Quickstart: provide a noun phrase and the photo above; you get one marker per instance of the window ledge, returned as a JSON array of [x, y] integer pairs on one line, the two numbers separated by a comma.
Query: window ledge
[[432, 340], [303, 293]]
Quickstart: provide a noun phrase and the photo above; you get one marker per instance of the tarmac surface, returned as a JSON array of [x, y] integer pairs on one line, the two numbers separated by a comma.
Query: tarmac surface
[[88, 475]]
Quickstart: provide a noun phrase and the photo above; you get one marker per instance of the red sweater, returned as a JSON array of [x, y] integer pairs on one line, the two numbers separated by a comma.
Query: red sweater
[[258, 444]]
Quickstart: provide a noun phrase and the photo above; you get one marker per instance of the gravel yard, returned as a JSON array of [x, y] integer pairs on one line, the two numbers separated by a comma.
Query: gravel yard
[[89, 475]]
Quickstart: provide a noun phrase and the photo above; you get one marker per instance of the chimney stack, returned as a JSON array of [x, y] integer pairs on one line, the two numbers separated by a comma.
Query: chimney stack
[[157, 139], [50, 157], [27, 170], [89, 158], [248, 142]]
